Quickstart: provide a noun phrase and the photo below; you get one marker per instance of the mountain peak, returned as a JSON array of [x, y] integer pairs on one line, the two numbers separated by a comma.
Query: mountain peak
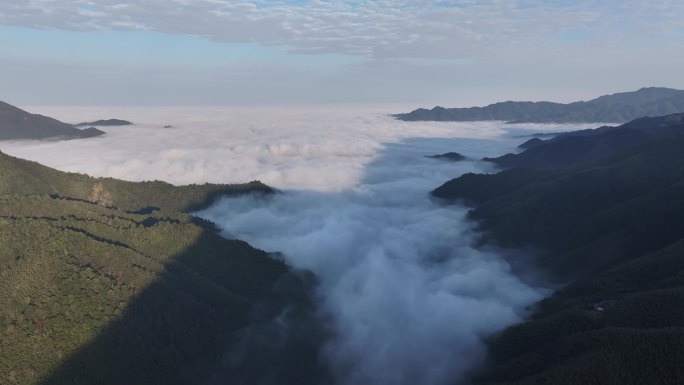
[[16, 124]]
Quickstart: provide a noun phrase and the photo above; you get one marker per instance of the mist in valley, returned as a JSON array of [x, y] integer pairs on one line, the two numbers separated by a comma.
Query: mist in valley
[[405, 293], [409, 298]]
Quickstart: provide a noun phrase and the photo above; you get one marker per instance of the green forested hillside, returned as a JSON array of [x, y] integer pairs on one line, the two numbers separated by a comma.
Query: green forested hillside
[[614, 228], [92, 292], [18, 176]]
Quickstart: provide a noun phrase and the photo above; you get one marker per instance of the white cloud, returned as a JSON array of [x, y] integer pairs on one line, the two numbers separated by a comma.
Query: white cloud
[[406, 28], [318, 148], [409, 298]]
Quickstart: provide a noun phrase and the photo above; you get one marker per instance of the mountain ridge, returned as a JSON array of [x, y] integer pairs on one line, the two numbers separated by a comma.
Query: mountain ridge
[[611, 229], [17, 124], [615, 108], [614, 227], [570, 148]]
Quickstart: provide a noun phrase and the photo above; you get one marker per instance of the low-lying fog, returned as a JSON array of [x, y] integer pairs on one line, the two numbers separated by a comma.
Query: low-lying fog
[[410, 298]]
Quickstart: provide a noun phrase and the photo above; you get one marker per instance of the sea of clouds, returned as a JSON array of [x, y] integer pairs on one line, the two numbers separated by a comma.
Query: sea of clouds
[[409, 298]]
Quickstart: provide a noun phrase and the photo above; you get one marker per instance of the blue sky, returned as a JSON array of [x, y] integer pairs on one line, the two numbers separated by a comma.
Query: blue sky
[[271, 52]]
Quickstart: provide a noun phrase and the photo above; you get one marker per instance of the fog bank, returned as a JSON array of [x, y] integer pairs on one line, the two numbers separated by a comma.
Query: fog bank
[[321, 149], [410, 298], [407, 296]]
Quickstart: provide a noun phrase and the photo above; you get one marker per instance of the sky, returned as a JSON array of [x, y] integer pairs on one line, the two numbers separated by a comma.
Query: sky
[[301, 52]]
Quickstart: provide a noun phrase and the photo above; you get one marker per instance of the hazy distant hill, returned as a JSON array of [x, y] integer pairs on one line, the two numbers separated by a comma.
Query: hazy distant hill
[[106, 122], [16, 124], [618, 108], [109, 282]]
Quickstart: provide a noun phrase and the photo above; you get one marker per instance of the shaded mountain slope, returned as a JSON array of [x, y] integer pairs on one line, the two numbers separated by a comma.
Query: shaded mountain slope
[[580, 146], [93, 293], [626, 203], [479, 188], [620, 107], [614, 228], [545, 156], [18, 124], [621, 326]]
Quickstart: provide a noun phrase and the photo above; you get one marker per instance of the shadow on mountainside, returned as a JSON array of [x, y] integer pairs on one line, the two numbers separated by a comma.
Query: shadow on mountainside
[[108, 282], [218, 311], [146, 295], [98, 295]]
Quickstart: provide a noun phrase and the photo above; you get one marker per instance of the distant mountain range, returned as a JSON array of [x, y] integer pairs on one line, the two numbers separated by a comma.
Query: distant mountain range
[[615, 108], [615, 226], [16, 124]]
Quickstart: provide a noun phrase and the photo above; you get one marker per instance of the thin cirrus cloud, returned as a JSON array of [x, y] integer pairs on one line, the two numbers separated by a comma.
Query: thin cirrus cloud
[[420, 28], [276, 52]]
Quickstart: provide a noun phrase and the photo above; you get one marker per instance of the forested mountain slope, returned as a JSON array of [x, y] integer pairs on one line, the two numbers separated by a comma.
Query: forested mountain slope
[[614, 229], [97, 291], [575, 147]]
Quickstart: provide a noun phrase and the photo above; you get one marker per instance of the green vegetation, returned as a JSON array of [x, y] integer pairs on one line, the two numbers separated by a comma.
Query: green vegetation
[[96, 291], [18, 176], [621, 326], [614, 228]]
